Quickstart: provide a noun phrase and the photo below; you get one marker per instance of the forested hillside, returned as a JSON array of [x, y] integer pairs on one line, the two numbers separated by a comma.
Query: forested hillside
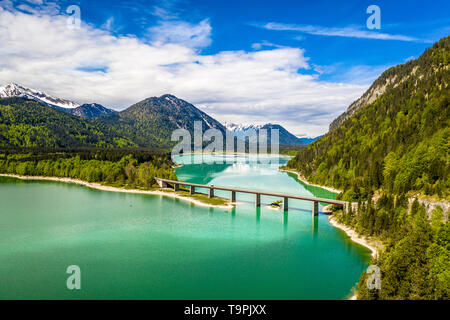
[[399, 142], [119, 167], [28, 123], [395, 141], [149, 123]]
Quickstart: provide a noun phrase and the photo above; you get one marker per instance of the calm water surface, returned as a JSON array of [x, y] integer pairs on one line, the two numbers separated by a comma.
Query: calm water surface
[[151, 247]]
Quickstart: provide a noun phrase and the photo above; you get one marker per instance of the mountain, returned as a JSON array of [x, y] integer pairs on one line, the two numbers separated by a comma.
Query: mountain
[[285, 137], [91, 110], [15, 90], [395, 137], [309, 140], [390, 152], [151, 122], [29, 123], [26, 122]]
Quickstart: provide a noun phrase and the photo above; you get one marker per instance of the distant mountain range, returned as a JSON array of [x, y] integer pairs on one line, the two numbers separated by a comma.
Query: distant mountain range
[[91, 110], [26, 121], [148, 123], [285, 137], [15, 90]]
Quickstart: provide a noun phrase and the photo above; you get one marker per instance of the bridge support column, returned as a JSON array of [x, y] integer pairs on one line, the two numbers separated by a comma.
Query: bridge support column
[[233, 196], [176, 187], [211, 193], [315, 211], [285, 204], [162, 184], [257, 200], [192, 190]]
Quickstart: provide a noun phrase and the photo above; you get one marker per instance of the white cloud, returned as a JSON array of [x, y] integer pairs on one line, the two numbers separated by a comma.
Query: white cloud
[[108, 25], [358, 74], [39, 7], [265, 44], [181, 32], [38, 2], [349, 32], [39, 51]]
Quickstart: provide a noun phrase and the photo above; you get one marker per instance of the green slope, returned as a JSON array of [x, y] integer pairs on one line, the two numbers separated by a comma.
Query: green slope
[[397, 141], [27, 123], [149, 123]]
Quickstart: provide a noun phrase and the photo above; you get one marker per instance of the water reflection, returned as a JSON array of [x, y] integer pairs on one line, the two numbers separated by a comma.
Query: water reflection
[[258, 215], [285, 221], [316, 191], [315, 226], [233, 213], [204, 173]]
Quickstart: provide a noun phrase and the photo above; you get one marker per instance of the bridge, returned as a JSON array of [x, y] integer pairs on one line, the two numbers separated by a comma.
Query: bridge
[[166, 183]]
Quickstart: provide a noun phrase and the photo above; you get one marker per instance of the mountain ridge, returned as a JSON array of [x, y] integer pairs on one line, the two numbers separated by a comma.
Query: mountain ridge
[[90, 110], [87, 110], [386, 81], [285, 137], [398, 141], [26, 122], [13, 89]]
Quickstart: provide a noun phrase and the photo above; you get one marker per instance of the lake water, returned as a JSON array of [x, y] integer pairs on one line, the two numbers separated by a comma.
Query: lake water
[[133, 246]]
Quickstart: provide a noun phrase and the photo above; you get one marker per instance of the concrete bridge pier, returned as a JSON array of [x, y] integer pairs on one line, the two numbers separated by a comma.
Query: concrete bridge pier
[[176, 185], [315, 211], [162, 184], [257, 200], [285, 204], [233, 197]]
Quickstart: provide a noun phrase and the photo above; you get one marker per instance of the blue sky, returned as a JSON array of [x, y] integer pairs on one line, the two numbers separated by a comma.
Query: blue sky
[[298, 63]]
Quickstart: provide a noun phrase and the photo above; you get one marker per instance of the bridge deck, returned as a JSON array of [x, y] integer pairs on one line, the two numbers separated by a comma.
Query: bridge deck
[[257, 192]]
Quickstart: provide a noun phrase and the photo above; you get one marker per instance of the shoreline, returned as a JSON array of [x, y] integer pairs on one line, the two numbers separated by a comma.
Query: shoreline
[[98, 186], [302, 179], [355, 237], [234, 153], [352, 234]]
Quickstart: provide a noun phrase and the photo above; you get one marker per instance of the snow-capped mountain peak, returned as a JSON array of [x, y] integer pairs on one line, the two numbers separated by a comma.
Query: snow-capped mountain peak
[[241, 129], [15, 90], [285, 137]]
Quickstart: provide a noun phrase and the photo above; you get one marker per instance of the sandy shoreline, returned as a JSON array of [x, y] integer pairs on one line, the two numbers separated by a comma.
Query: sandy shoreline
[[101, 187], [355, 237], [302, 179], [350, 232]]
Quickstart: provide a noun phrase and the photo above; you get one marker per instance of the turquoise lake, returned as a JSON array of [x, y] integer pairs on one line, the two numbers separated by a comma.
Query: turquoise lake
[[134, 246]]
